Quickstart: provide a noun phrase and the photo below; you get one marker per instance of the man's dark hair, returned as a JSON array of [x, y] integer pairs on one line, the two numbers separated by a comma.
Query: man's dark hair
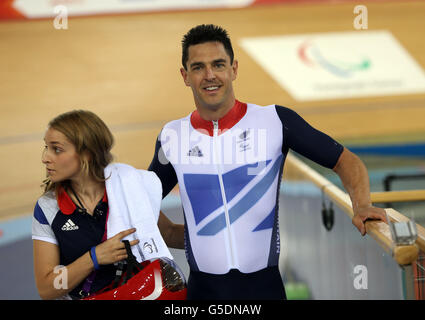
[[205, 33]]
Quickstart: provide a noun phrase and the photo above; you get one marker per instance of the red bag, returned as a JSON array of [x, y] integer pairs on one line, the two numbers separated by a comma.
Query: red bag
[[160, 279]]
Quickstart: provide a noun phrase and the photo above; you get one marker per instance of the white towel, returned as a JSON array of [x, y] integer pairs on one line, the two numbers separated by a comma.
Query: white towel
[[134, 199]]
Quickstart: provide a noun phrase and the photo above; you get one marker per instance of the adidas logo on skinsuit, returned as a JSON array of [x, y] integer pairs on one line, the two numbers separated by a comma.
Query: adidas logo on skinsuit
[[195, 152], [244, 135], [69, 226]]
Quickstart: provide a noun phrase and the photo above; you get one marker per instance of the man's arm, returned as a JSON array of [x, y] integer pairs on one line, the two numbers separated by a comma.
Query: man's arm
[[172, 233], [163, 169], [354, 177], [315, 145]]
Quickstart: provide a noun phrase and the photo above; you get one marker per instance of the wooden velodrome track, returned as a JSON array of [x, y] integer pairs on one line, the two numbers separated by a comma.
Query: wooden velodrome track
[[126, 69]]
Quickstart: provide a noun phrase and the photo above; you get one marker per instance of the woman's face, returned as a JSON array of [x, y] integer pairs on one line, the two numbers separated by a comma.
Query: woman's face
[[60, 157]]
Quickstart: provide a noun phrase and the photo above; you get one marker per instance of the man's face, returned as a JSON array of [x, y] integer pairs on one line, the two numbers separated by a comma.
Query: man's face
[[210, 75]]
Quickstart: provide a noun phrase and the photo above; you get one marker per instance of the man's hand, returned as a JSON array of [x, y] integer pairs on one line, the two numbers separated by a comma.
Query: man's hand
[[361, 215], [354, 177]]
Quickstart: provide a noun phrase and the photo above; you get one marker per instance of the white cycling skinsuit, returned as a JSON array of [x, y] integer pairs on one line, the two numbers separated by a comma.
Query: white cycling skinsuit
[[229, 172]]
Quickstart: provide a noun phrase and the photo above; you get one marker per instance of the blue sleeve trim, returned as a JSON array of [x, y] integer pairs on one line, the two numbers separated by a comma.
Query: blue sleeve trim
[[309, 142], [165, 172], [39, 215]]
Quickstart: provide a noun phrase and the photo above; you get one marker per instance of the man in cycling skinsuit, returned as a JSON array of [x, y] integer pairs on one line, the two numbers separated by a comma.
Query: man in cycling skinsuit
[[227, 157]]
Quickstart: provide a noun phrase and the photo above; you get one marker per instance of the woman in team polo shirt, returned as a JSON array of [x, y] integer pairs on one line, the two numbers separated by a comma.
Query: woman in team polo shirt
[[69, 225]]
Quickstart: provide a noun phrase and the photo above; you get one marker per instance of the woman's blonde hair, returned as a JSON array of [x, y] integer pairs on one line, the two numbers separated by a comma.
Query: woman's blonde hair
[[92, 139]]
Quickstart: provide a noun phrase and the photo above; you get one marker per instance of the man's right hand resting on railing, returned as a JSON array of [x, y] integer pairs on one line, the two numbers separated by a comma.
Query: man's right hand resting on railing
[[354, 177]]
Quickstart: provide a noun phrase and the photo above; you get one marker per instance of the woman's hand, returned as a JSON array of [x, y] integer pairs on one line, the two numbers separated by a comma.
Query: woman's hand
[[113, 249]]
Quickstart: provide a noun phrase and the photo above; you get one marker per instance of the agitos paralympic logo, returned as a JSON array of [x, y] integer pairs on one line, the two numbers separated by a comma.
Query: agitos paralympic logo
[[312, 56]]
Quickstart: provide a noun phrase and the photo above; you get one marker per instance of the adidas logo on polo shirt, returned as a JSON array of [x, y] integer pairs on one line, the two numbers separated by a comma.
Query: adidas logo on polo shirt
[[69, 226], [195, 152]]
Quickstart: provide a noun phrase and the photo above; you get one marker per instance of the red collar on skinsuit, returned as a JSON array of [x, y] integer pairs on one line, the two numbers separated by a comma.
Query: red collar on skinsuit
[[65, 203], [228, 121]]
